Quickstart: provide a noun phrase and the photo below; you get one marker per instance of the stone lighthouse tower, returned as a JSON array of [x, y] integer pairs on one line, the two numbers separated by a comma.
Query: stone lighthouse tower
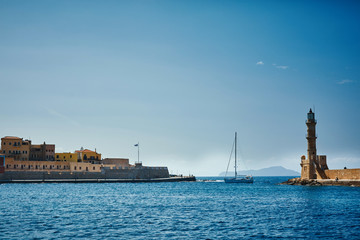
[[308, 165]]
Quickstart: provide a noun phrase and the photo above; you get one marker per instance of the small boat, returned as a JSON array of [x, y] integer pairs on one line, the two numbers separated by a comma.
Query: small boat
[[237, 178]]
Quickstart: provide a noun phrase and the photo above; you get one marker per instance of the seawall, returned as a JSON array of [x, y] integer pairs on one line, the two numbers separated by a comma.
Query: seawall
[[352, 174], [144, 174], [323, 182], [131, 173]]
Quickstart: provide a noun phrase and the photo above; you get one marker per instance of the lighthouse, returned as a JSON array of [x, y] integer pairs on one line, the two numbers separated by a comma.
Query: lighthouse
[[308, 164]]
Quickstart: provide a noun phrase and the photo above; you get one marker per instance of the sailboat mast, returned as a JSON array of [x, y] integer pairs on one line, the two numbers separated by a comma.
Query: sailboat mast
[[235, 154]]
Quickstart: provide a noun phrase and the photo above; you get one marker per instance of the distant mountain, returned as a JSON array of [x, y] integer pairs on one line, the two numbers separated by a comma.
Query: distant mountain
[[270, 171]]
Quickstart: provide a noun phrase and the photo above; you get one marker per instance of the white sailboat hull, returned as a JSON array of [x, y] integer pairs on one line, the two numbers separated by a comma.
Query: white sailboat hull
[[247, 179]]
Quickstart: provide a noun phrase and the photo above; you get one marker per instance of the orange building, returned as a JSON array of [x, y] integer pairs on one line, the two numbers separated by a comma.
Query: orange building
[[15, 147], [86, 155]]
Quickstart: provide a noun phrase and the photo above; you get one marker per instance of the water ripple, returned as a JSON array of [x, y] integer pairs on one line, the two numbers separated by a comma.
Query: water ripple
[[194, 210]]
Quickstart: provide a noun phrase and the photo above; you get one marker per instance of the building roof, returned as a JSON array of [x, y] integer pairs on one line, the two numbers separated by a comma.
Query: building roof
[[85, 150], [117, 159], [11, 138]]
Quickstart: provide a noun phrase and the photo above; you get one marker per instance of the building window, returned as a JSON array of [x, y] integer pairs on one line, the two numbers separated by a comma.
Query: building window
[[87, 169], [75, 168], [93, 168], [4, 143], [79, 168], [70, 156]]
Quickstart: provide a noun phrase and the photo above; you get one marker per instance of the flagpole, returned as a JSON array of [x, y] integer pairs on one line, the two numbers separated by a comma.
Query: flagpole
[[138, 152]]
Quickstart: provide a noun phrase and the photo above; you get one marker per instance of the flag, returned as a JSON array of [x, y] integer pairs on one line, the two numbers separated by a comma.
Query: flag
[[136, 145]]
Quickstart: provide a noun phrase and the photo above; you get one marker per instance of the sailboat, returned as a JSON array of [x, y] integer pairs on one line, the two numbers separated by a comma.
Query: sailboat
[[237, 178]]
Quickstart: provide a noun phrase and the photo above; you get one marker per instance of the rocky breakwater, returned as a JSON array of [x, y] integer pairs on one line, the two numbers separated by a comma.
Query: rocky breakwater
[[298, 181], [322, 182]]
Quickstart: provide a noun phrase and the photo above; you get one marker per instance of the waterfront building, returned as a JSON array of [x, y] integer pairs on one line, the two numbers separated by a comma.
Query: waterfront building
[[50, 166], [15, 147], [2, 163], [66, 157], [86, 155], [21, 161], [42, 152]]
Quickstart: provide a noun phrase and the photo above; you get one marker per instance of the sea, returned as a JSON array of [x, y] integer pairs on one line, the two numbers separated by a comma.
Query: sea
[[205, 209]]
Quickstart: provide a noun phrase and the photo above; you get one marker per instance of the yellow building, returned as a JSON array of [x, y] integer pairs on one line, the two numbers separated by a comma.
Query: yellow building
[[86, 155], [16, 148], [66, 157]]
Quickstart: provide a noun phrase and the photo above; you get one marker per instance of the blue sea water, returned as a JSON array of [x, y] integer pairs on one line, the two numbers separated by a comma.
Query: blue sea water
[[183, 210]]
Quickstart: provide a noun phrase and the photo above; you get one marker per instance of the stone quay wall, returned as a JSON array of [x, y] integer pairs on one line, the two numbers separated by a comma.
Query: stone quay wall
[[351, 174], [131, 173], [137, 173]]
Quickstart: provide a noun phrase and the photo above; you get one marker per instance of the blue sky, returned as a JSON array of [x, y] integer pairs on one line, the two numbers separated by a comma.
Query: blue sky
[[181, 76]]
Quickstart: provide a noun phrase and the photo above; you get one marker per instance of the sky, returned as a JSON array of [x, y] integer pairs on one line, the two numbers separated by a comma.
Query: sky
[[180, 77]]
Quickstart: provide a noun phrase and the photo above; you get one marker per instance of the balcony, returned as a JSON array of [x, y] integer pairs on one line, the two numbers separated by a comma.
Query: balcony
[[306, 136]]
